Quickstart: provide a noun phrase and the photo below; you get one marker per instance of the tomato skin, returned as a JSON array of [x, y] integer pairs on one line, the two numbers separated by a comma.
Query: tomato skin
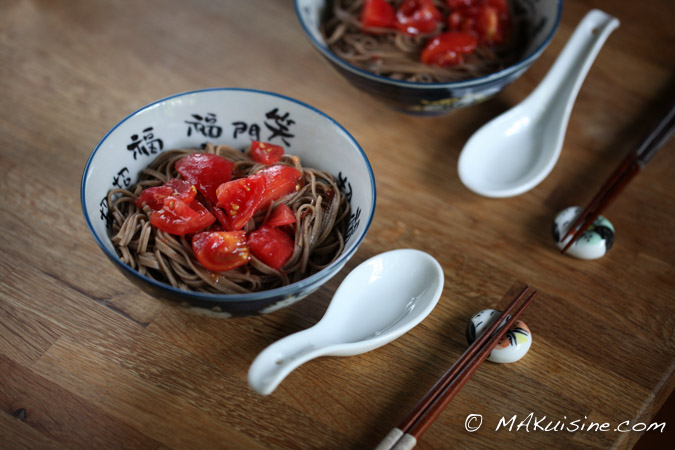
[[179, 218], [448, 49], [279, 181], [459, 3], [492, 25], [282, 215], [502, 6], [182, 189], [221, 250], [488, 20], [487, 24], [378, 14], [271, 246], [266, 153], [239, 200], [221, 218], [417, 16], [206, 171], [458, 21], [154, 196]]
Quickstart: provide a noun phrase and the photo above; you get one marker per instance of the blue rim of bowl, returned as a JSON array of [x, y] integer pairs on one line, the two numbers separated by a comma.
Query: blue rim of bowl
[[415, 84], [231, 298]]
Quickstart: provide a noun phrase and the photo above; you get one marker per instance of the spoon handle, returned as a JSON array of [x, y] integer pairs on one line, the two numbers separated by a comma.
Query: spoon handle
[[274, 363], [561, 84]]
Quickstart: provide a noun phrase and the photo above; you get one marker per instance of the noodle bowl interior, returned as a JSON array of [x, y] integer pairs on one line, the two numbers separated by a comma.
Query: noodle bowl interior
[[264, 227], [426, 40]]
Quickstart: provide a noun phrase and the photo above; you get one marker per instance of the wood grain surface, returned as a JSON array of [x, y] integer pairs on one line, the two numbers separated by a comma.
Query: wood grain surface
[[89, 361]]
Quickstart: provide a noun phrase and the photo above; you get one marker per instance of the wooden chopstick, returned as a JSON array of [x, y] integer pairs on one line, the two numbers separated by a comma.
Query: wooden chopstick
[[420, 418], [627, 169]]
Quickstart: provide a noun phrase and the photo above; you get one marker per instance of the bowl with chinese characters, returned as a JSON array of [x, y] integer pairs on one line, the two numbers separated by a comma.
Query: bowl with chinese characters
[[361, 57], [223, 118]]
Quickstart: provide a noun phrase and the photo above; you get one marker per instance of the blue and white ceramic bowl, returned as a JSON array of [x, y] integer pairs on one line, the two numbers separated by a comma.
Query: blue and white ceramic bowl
[[233, 117], [435, 98]]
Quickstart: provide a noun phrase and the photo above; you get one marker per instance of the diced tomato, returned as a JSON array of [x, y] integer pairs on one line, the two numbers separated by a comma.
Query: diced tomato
[[271, 246], [182, 189], [282, 215], [454, 4], [378, 14], [488, 20], [457, 21], [179, 218], [221, 218], [464, 19], [501, 5], [240, 199], [266, 153], [417, 16], [154, 196], [487, 24], [279, 181], [492, 25], [206, 171], [448, 49], [221, 250]]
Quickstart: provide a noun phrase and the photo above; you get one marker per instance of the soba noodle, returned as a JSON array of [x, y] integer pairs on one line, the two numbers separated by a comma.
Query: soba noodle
[[321, 211], [395, 55]]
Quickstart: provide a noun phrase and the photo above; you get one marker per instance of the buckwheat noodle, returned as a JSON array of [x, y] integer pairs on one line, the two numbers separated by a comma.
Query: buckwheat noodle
[[396, 55], [321, 210]]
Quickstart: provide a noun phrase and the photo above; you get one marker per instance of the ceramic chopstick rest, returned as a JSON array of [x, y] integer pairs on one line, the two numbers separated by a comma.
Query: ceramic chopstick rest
[[513, 346], [594, 243]]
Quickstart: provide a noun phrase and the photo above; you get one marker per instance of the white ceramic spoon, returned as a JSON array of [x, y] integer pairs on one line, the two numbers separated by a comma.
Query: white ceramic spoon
[[381, 299], [514, 152]]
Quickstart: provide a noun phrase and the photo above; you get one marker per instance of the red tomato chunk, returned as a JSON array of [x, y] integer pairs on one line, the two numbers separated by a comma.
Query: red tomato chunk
[[179, 218], [182, 189], [271, 246], [417, 16], [239, 200], [488, 21], [378, 14], [265, 153], [448, 49], [154, 196], [282, 215], [279, 181], [206, 171], [221, 250]]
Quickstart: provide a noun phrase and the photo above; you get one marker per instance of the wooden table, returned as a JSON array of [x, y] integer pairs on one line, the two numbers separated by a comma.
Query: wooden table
[[89, 361]]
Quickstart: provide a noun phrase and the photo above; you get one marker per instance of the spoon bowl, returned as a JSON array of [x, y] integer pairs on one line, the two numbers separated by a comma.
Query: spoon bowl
[[380, 300], [514, 152]]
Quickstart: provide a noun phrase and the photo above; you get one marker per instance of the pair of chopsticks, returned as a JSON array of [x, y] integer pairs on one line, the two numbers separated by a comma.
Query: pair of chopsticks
[[406, 434], [633, 163]]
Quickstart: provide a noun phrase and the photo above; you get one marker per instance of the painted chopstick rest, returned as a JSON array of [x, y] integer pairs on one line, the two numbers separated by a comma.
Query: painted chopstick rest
[[513, 346], [593, 244]]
